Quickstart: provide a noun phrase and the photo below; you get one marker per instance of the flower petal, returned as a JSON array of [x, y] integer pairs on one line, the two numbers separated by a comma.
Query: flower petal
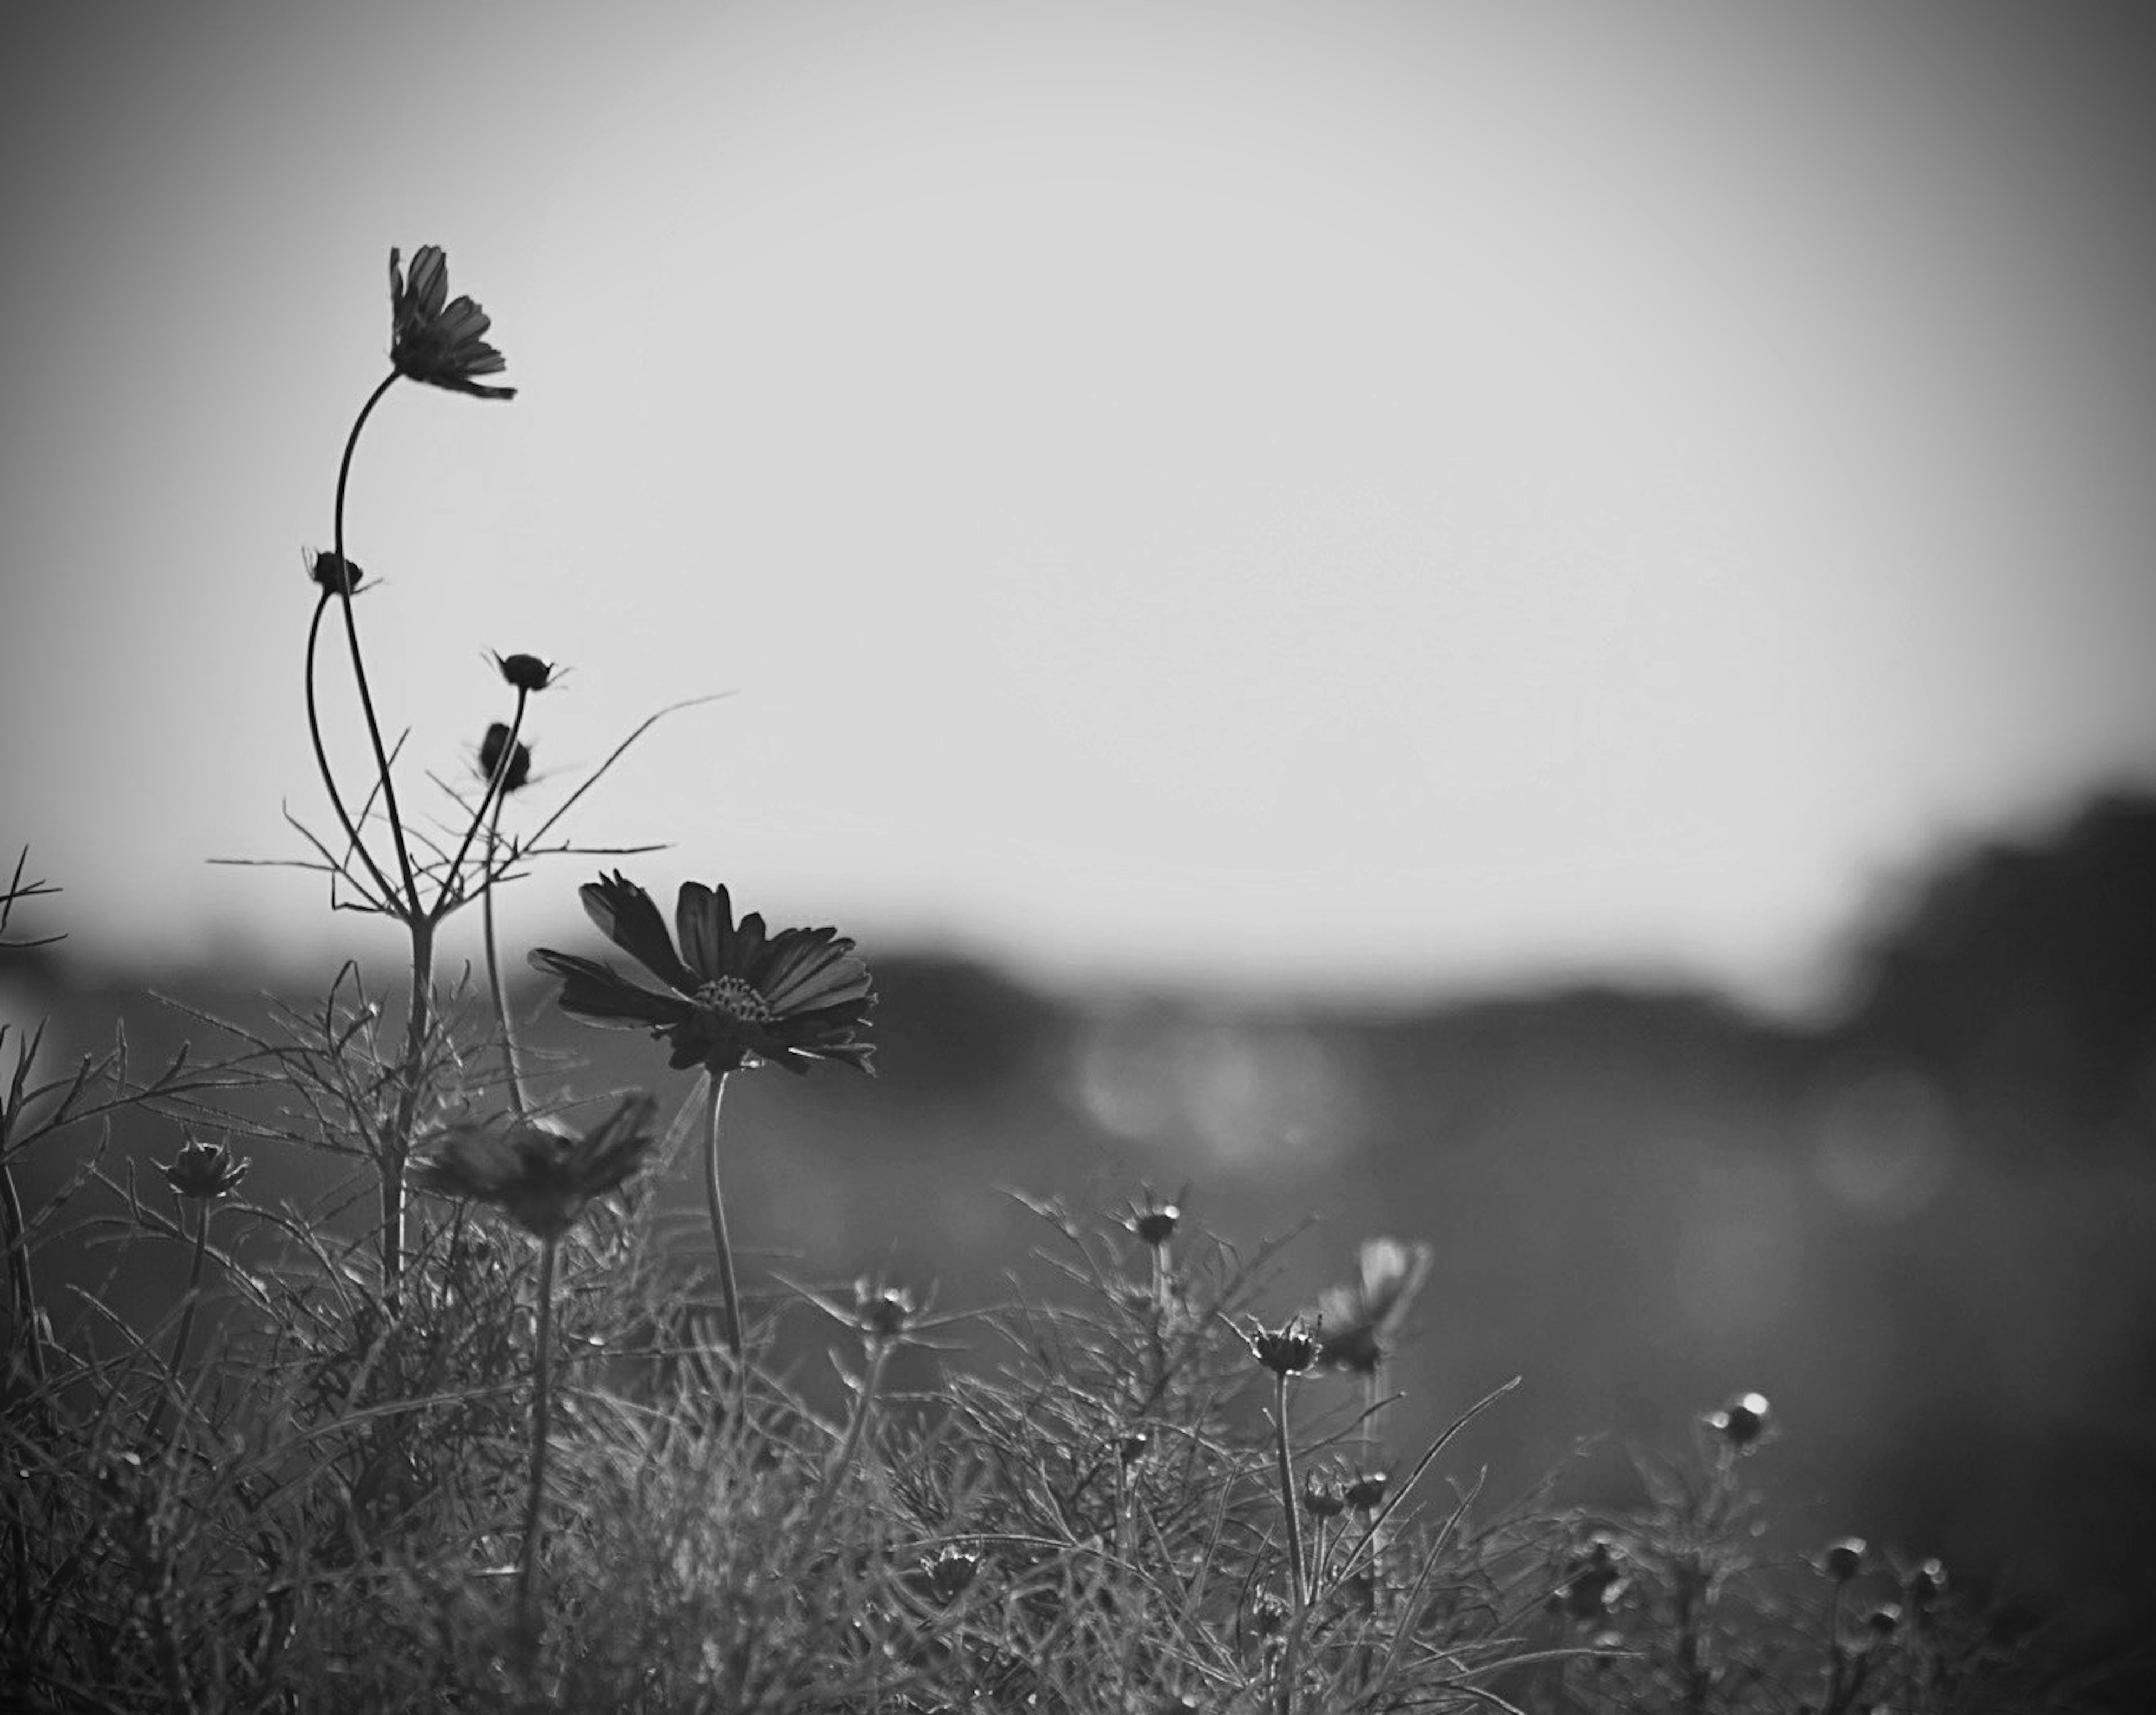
[[626, 916], [704, 920], [601, 994]]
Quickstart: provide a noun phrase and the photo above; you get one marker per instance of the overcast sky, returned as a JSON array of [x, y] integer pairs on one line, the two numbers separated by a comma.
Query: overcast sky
[[1401, 495]]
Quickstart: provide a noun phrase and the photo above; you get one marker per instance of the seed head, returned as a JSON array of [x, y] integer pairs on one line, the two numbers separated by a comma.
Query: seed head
[[333, 572]]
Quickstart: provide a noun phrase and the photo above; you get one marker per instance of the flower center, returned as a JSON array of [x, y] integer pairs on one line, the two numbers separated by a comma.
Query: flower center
[[733, 998]]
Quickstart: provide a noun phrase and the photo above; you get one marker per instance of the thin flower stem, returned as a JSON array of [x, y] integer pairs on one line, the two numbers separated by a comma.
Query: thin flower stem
[[527, 1611], [494, 970], [834, 1473], [21, 1284], [1288, 1495], [322, 759], [490, 799], [729, 1290], [397, 1145], [185, 1333], [358, 661]]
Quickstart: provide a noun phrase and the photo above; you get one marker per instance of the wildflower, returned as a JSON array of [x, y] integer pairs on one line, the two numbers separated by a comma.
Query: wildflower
[[490, 757], [205, 1171], [1366, 1490], [525, 672], [334, 573], [741, 997], [951, 1572], [1883, 1619], [1361, 1321], [540, 1173], [882, 1312], [1153, 1222], [435, 339], [1741, 1421], [1926, 1583], [1842, 1558], [1592, 1581], [1323, 1497], [1285, 1351], [1133, 1446]]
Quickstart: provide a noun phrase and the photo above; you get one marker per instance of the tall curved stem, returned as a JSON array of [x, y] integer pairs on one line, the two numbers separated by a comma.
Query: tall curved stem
[[729, 1290], [535, 1493]]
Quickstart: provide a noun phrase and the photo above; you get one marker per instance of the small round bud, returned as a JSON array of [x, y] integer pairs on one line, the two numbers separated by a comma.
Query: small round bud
[[1367, 1492], [1321, 1496], [1926, 1584], [205, 1171], [334, 573], [1882, 1620], [1155, 1225], [1741, 1421], [491, 748], [1842, 1558], [525, 672], [882, 1312]]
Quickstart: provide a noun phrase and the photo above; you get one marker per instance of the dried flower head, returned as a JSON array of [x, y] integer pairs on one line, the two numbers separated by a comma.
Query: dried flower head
[[1361, 1321], [435, 339], [740, 997], [1366, 1491], [1322, 1496], [525, 672], [491, 748], [1288, 1350], [540, 1173], [1153, 1223], [1741, 1421], [333, 571], [205, 1171]]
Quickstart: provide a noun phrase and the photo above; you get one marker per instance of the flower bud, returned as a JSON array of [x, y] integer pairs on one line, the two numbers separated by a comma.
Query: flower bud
[[1285, 1351], [333, 572], [1366, 1491], [525, 672], [1155, 1224], [882, 1312], [205, 1171], [490, 757], [1842, 1558], [1321, 1496], [951, 1573], [1741, 1421]]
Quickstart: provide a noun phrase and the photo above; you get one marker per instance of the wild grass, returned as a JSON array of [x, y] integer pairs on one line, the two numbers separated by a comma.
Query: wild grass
[[470, 1427]]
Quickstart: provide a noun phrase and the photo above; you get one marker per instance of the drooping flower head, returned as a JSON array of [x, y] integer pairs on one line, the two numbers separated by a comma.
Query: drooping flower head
[[490, 749], [738, 996], [1361, 1321], [540, 1173], [435, 339], [333, 571]]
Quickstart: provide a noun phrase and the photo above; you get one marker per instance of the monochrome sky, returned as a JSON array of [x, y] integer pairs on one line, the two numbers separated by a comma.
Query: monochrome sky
[[1352, 495]]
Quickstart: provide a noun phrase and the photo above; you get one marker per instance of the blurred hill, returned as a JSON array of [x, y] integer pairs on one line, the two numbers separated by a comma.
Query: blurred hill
[[1926, 1229]]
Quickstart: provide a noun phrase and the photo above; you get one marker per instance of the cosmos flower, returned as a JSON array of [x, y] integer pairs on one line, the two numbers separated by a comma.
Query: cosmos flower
[[1361, 1321], [435, 339], [738, 997], [540, 1173], [206, 1171], [1287, 1350]]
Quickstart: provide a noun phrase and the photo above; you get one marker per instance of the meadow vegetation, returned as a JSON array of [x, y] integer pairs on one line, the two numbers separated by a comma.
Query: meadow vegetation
[[482, 1426]]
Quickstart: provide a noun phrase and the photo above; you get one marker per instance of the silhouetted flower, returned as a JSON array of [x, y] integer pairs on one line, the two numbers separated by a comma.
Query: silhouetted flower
[[525, 672], [334, 573], [1366, 1490], [435, 339], [1285, 1351], [489, 757], [206, 1171], [1883, 1619], [1361, 1321], [540, 1173], [1741, 1421], [882, 1312], [952, 1573], [1842, 1558], [1323, 1497], [1153, 1223], [741, 997]]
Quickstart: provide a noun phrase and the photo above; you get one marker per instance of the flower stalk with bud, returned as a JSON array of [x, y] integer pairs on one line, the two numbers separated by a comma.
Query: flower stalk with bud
[[200, 1174]]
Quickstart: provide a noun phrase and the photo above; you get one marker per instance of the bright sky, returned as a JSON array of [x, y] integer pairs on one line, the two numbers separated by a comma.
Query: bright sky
[[1402, 494]]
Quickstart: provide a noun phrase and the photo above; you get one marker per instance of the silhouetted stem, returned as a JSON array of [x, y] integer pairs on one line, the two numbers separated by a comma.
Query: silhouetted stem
[[358, 662], [21, 1284], [834, 1473], [728, 1290], [322, 760], [527, 1611], [495, 973], [396, 1147], [185, 1332], [1287, 1495]]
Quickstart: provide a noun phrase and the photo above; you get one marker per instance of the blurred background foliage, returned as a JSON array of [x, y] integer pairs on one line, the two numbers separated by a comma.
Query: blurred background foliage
[[1925, 1226]]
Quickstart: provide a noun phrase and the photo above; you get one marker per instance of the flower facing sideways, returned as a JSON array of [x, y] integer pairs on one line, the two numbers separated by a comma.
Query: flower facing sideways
[[433, 338], [1361, 1321], [540, 1173], [738, 996]]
